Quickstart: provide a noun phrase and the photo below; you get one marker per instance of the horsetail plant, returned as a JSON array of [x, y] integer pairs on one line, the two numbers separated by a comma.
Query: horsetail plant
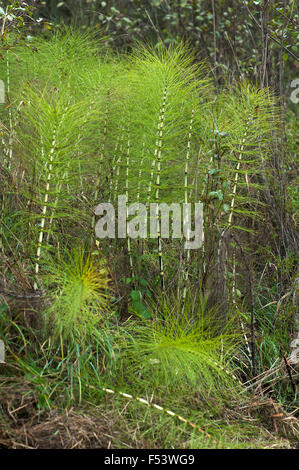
[[127, 201], [256, 116], [80, 298], [185, 268], [55, 121], [49, 169], [158, 152], [179, 347], [161, 91]]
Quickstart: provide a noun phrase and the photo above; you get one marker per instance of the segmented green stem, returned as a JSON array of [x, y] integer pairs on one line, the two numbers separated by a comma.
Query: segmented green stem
[[113, 167], [232, 205], [127, 199], [118, 164], [149, 190], [59, 185], [187, 259], [234, 193], [53, 209], [49, 169], [158, 154], [140, 172], [140, 243], [194, 189]]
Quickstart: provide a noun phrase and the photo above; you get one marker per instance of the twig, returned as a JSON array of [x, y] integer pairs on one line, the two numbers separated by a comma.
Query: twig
[[154, 27], [289, 373]]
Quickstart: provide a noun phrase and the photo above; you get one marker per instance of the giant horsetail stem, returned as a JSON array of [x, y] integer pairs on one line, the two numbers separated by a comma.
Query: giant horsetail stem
[[49, 169], [158, 152]]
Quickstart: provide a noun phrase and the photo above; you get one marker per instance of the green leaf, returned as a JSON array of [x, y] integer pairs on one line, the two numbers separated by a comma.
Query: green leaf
[[3, 308], [220, 195], [142, 310], [135, 295]]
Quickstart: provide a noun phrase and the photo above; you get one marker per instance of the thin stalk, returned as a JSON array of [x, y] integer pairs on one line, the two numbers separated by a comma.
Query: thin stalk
[[44, 211], [140, 243], [113, 166], [252, 307], [234, 193], [118, 163], [58, 187], [158, 153], [127, 208], [235, 304], [160, 408], [194, 189], [187, 259], [53, 209], [32, 189], [153, 164], [99, 175], [149, 191], [9, 149], [140, 172], [214, 42]]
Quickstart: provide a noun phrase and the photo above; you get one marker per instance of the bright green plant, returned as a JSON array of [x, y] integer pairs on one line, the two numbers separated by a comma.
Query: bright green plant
[[160, 92], [80, 307], [52, 126], [179, 351]]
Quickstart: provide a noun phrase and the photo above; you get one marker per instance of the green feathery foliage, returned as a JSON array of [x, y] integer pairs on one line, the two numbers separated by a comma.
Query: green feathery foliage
[[161, 90], [179, 351], [240, 126], [80, 308], [50, 160]]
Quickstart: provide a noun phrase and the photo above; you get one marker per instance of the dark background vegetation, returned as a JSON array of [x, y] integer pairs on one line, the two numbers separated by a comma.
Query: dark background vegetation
[[239, 38]]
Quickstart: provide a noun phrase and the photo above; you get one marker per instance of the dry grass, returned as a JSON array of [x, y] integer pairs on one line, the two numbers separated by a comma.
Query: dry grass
[[111, 425]]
